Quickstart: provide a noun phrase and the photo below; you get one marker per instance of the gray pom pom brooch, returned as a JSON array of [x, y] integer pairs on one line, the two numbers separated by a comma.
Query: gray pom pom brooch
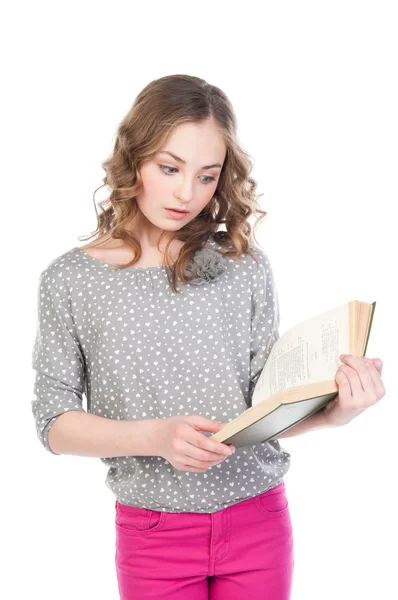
[[209, 265]]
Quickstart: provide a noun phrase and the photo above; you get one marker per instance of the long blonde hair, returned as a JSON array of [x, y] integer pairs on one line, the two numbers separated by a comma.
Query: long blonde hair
[[161, 106]]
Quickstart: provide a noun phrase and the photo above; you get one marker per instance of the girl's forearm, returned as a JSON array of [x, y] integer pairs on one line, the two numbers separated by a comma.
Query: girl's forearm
[[84, 434]]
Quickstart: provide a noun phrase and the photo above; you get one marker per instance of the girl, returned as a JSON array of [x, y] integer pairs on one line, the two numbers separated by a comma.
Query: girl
[[165, 323]]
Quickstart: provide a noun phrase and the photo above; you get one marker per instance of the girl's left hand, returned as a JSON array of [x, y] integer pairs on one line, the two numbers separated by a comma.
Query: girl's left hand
[[360, 386]]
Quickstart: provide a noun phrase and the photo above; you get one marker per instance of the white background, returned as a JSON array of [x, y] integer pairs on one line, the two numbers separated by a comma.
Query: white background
[[314, 87]]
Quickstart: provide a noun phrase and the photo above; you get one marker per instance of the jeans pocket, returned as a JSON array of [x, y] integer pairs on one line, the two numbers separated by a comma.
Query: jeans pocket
[[273, 502], [134, 520]]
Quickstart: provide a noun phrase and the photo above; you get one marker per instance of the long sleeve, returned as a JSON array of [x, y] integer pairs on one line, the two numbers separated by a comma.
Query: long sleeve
[[265, 318], [57, 359]]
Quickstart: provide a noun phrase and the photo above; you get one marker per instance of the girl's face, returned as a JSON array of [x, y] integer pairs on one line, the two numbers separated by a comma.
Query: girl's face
[[186, 180]]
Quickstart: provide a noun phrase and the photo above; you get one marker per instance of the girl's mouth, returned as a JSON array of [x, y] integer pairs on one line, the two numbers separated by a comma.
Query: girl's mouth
[[175, 214]]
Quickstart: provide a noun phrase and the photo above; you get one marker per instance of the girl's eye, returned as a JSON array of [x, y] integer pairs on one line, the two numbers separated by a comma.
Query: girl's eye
[[163, 167]]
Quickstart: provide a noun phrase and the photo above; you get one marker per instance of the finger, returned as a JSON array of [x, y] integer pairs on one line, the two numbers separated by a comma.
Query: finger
[[358, 374], [199, 463], [344, 393], [375, 374], [201, 454], [202, 441], [378, 364], [354, 383]]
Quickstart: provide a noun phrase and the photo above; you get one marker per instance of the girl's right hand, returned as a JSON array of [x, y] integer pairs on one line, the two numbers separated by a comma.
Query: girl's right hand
[[179, 441]]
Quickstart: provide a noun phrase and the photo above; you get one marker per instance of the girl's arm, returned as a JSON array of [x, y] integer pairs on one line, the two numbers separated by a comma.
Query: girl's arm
[[85, 434]]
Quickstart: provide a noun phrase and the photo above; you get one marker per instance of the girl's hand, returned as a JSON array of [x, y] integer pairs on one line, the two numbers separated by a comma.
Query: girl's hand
[[360, 386], [179, 440]]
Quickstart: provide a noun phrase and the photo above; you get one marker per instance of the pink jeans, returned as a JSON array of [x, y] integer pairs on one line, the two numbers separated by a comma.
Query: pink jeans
[[242, 551]]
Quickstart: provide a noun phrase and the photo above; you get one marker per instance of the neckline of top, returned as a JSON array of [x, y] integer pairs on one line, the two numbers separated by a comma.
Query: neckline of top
[[113, 267]]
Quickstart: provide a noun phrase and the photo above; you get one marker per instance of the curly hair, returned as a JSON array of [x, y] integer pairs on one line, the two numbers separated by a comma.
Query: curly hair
[[161, 106]]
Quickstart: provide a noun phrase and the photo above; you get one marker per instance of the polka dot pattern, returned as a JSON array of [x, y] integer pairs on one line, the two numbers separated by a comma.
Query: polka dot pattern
[[137, 350]]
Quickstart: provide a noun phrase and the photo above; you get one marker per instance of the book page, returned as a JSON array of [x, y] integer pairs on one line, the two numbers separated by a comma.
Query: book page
[[306, 353]]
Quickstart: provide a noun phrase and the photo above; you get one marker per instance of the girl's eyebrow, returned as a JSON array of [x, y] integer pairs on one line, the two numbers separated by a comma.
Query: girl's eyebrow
[[181, 160]]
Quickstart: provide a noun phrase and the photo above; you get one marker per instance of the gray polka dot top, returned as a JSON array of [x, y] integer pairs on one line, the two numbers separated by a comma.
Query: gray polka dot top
[[137, 350]]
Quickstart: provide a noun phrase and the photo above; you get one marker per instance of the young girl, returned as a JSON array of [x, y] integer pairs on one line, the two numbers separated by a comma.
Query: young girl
[[165, 323]]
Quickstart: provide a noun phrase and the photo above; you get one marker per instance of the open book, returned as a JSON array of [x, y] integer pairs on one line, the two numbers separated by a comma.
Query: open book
[[298, 377]]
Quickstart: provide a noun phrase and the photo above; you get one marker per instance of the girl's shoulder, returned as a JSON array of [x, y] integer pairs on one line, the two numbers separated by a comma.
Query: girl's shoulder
[[61, 268]]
